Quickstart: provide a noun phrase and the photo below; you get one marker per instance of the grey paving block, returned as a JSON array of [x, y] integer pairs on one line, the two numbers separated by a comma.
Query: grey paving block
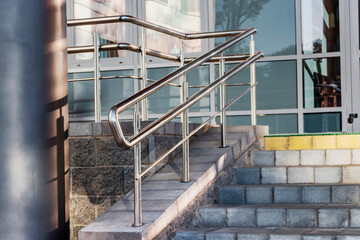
[[287, 158], [287, 195], [348, 237], [333, 218], [351, 174], [315, 194], [232, 195], [355, 218], [259, 195], [270, 217], [300, 175], [312, 157], [273, 175], [314, 237], [338, 157], [220, 235], [212, 217], [263, 158], [284, 237], [190, 234], [345, 194], [249, 236], [327, 174], [301, 218], [247, 176], [241, 217]]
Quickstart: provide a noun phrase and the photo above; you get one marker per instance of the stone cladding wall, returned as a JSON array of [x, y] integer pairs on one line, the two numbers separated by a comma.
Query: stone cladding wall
[[101, 172]]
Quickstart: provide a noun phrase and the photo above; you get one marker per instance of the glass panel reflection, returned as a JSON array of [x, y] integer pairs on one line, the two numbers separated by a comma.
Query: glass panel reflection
[[278, 123], [320, 26], [180, 15], [169, 96], [109, 33], [115, 90], [322, 82], [274, 20], [322, 122], [81, 95], [276, 89]]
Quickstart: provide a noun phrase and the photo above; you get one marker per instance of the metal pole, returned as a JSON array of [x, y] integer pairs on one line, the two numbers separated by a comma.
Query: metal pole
[[144, 103], [184, 120], [97, 90], [252, 82], [33, 163], [224, 142], [137, 171]]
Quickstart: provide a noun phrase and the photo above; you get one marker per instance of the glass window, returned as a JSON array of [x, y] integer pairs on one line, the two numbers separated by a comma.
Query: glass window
[[322, 122], [169, 97], [322, 82], [81, 95], [179, 15], [278, 123], [276, 89], [109, 33], [274, 20], [320, 26], [115, 90]]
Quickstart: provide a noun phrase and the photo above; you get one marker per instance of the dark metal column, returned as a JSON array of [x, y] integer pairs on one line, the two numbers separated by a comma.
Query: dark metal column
[[32, 181]]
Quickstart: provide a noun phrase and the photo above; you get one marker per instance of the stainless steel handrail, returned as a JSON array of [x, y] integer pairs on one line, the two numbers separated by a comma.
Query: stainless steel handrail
[[115, 110], [186, 65], [190, 102], [123, 46], [149, 25]]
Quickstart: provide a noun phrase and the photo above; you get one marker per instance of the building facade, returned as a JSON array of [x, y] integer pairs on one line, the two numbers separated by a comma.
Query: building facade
[[308, 80]]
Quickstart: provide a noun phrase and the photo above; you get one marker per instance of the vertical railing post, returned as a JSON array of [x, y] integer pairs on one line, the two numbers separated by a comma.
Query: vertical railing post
[[137, 171], [253, 82], [184, 120], [97, 101], [144, 103], [224, 142]]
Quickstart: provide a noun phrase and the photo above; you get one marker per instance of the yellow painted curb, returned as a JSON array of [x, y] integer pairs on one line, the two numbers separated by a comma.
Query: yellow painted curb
[[312, 142], [348, 141], [276, 143], [300, 142]]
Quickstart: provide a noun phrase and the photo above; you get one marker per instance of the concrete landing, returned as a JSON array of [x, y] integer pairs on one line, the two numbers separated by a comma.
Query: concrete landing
[[164, 197]]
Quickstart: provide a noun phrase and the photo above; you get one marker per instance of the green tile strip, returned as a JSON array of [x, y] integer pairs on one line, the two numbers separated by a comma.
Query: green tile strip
[[313, 134]]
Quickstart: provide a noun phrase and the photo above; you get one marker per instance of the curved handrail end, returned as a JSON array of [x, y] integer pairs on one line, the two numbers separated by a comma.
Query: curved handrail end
[[116, 129]]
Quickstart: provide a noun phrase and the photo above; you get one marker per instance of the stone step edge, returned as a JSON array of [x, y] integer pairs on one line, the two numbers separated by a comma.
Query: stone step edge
[[287, 206], [233, 233], [151, 230], [329, 157], [299, 175], [313, 216], [301, 194]]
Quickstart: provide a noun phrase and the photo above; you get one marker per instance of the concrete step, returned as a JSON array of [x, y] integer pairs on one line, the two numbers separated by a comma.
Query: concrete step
[[164, 196], [292, 216], [334, 157], [268, 234], [315, 141], [298, 175], [289, 194]]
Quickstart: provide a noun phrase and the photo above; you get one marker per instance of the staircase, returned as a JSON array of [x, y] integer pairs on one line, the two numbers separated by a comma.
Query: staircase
[[305, 193]]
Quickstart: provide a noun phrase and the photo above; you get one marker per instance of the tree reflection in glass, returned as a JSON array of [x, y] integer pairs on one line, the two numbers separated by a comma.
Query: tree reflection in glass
[[322, 82], [320, 26], [274, 20]]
